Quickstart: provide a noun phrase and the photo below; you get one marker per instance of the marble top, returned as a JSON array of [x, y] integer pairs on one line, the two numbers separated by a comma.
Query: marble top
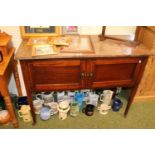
[[96, 48]]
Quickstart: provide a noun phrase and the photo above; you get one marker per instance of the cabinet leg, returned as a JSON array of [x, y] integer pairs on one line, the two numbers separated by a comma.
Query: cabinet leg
[[32, 108], [11, 111], [130, 100]]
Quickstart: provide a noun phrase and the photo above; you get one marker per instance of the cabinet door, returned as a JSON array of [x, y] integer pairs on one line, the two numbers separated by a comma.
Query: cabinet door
[[56, 74], [112, 72]]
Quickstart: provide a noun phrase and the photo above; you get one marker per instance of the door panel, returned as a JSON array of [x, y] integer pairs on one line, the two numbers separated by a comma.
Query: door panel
[[56, 74], [113, 72]]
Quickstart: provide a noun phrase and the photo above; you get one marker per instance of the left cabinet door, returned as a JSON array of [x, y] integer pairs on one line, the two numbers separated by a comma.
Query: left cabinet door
[[58, 74]]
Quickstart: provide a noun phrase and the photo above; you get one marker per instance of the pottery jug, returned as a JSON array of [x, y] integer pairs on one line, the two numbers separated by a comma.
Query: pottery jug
[[63, 108], [53, 107], [45, 113], [74, 110], [60, 95], [38, 103], [117, 104], [106, 96], [79, 97], [93, 99], [104, 108], [24, 113], [47, 97]]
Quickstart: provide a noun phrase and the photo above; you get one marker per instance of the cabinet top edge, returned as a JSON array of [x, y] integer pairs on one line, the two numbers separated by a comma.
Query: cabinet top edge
[[101, 49]]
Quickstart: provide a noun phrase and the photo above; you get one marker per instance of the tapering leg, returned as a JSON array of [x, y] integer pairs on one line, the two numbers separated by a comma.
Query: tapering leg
[[30, 101], [10, 108], [15, 72], [130, 100]]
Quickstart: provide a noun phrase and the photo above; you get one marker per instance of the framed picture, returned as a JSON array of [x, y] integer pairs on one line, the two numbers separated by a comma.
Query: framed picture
[[40, 31], [38, 50], [70, 29]]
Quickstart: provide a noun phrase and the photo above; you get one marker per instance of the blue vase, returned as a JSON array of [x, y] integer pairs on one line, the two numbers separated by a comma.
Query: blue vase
[[79, 97]]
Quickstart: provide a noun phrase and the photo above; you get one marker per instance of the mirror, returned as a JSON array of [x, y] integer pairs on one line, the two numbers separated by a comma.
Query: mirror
[[129, 39]]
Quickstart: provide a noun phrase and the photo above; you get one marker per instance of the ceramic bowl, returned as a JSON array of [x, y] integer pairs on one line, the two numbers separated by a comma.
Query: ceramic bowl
[[4, 116]]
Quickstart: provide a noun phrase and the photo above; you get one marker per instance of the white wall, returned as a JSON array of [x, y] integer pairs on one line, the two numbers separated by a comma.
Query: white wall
[[16, 39], [110, 30], [14, 31]]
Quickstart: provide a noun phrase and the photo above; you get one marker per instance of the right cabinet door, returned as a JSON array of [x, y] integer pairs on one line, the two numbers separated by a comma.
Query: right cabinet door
[[112, 72]]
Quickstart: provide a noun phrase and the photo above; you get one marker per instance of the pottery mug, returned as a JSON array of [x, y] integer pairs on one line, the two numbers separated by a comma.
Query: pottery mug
[[37, 104], [89, 109]]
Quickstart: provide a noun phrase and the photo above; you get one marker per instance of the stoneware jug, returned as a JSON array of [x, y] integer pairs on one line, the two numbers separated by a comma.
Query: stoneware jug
[[74, 110], [104, 108], [117, 104], [63, 108], [53, 107], [47, 97], [93, 99], [24, 113], [38, 103], [106, 96], [45, 113]]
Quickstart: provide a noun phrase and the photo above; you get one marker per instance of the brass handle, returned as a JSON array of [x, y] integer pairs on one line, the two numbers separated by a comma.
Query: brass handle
[[91, 75], [82, 75]]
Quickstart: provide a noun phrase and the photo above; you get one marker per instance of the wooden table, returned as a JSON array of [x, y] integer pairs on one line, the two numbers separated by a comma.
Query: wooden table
[[7, 67], [113, 64]]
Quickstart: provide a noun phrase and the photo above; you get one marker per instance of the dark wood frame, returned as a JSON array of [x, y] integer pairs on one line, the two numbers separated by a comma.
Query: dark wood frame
[[135, 42], [86, 75]]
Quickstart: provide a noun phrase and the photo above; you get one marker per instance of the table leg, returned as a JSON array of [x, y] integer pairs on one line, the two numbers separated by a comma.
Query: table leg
[[16, 75], [130, 100], [30, 101], [10, 109]]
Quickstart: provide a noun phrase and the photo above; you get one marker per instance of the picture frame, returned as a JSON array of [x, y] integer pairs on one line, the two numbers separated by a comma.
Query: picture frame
[[40, 31], [38, 41], [38, 50], [70, 30]]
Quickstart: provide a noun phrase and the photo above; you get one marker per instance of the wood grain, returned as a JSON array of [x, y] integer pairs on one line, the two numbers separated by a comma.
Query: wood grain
[[146, 88]]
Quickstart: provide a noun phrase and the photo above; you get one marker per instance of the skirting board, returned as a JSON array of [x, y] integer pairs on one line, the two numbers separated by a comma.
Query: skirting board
[[139, 99]]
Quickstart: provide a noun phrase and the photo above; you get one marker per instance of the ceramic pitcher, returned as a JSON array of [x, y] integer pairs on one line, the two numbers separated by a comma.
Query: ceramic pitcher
[[24, 113]]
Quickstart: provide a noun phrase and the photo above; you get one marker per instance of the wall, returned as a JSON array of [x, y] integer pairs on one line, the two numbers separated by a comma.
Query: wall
[[16, 39], [14, 31]]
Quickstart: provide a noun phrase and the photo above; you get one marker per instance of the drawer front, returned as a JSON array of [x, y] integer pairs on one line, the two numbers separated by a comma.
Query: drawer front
[[56, 74], [114, 72]]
